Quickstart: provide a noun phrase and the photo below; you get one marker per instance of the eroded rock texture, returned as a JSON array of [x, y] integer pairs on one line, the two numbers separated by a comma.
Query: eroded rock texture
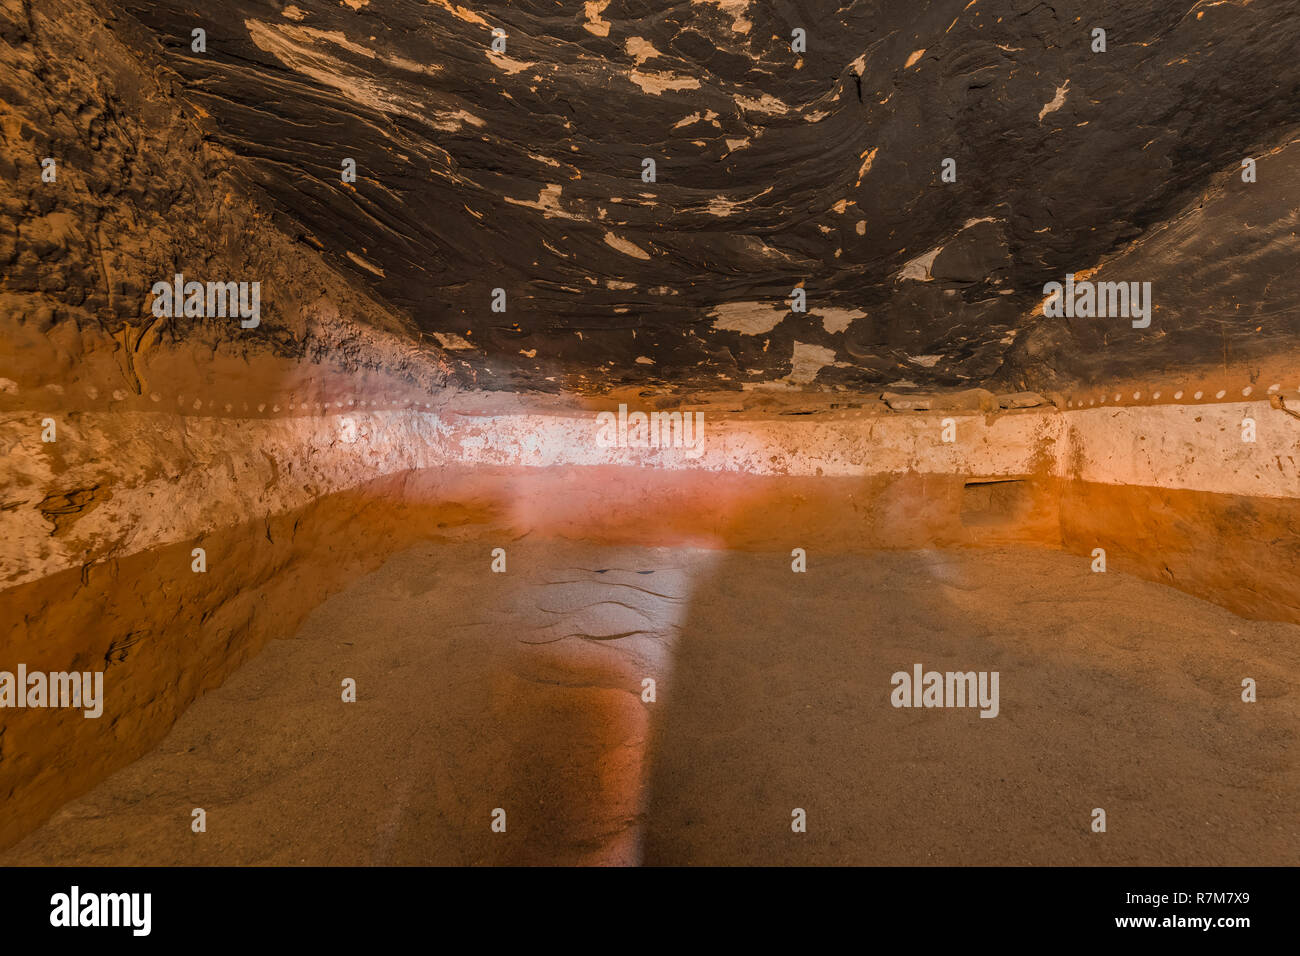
[[139, 194], [522, 170]]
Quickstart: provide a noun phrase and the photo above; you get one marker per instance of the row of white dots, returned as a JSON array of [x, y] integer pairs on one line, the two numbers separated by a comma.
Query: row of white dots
[[362, 403], [304, 406], [1177, 396]]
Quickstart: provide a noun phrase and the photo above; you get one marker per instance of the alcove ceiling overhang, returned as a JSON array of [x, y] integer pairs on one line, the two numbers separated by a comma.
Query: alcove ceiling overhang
[[522, 170]]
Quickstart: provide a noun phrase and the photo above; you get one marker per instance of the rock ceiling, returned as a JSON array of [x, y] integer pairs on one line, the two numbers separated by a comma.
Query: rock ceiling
[[522, 170]]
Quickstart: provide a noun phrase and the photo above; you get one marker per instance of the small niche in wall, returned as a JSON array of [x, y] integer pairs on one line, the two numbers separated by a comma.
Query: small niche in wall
[[993, 501]]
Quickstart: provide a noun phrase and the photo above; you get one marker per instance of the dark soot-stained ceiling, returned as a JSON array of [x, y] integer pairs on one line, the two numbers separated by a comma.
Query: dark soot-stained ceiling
[[523, 170]]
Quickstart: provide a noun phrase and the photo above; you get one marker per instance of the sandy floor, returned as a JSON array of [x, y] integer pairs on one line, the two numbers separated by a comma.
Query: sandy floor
[[523, 691]]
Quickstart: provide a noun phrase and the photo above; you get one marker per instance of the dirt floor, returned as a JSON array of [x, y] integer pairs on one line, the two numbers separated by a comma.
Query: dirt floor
[[523, 692]]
